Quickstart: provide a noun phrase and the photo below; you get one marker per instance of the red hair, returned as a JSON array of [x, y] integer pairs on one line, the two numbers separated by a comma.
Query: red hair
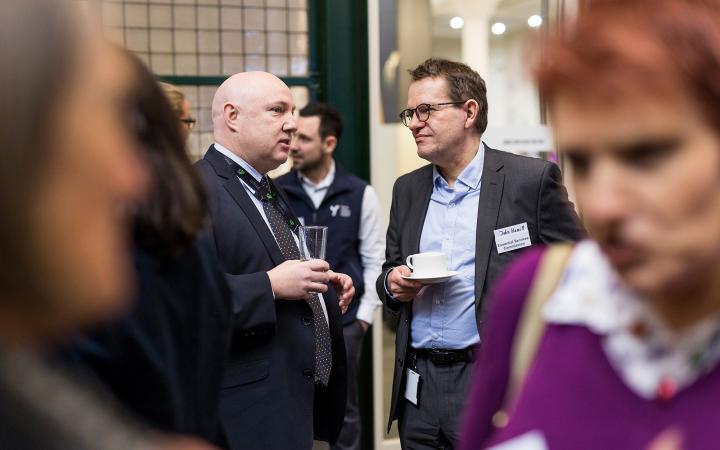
[[620, 47]]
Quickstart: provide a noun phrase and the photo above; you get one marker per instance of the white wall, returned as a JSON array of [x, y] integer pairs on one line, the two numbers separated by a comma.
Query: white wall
[[512, 96], [447, 47]]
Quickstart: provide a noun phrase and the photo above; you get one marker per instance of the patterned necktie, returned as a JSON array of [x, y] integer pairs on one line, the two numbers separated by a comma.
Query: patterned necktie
[[289, 248]]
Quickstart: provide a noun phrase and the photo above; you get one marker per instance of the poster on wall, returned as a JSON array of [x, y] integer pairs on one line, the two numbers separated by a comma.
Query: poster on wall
[[534, 141]]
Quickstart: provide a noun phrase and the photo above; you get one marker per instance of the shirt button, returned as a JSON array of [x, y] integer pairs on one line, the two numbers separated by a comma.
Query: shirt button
[[307, 321], [435, 336], [307, 373]]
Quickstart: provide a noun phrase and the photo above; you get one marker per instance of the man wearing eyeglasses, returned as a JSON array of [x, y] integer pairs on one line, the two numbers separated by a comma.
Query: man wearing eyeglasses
[[479, 207]]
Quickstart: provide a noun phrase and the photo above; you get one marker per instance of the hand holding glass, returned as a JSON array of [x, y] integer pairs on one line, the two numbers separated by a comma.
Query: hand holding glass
[[313, 242]]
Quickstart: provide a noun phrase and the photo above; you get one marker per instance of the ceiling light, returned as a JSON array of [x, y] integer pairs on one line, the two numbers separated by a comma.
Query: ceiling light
[[456, 23], [535, 21], [498, 28]]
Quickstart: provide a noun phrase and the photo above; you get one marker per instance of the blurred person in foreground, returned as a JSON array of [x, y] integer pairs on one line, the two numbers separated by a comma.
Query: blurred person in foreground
[[285, 384], [68, 170], [627, 345], [164, 360], [322, 192]]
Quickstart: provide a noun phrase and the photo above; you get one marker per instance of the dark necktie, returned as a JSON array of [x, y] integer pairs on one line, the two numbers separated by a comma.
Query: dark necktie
[[289, 248]]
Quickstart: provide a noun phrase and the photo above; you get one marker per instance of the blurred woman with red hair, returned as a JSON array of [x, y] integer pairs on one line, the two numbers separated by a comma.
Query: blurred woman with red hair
[[615, 344]]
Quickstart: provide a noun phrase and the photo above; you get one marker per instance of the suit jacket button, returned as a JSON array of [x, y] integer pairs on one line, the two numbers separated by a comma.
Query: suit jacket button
[[307, 373], [400, 361], [307, 321]]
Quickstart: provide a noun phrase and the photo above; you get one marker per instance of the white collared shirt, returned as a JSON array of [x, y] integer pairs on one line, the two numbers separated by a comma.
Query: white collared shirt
[[258, 204], [591, 294], [317, 191], [370, 234]]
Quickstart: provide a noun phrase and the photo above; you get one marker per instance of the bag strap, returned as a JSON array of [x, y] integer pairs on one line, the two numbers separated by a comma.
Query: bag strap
[[531, 325]]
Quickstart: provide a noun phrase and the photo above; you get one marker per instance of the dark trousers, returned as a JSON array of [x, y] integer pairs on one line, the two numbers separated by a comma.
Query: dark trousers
[[435, 422], [350, 435]]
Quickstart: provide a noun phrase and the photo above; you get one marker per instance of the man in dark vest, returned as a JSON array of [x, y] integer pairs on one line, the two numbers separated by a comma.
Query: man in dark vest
[[321, 192]]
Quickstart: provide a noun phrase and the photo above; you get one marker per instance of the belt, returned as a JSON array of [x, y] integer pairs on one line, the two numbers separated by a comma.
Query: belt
[[441, 357]]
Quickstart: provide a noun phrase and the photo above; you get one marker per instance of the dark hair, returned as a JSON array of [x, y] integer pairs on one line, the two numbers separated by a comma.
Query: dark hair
[[330, 120], [463, 84], [176, 208], [639, 46], [39, 46]]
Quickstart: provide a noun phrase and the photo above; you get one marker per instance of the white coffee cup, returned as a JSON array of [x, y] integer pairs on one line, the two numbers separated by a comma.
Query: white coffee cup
[[427, 264]]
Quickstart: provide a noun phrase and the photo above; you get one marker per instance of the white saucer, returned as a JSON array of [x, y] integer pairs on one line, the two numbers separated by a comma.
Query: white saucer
[[432, 279]]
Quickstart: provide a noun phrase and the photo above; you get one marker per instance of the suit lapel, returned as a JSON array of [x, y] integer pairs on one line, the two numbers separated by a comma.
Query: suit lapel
[[283, 195], [226, 170], [242, 198], [418, 209], [491, 191]]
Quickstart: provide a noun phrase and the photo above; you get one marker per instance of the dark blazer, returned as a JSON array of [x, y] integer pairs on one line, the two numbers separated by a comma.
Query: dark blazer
[[514, 189], [269, 399], [164, 361]]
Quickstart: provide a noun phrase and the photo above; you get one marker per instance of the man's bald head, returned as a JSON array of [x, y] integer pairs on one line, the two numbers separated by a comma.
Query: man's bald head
[[245, 87], [253, 117]]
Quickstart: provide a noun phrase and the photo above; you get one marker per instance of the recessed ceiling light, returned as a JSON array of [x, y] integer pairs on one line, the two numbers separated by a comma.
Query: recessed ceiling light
[[535, 21], [456, 23], [498, 28]]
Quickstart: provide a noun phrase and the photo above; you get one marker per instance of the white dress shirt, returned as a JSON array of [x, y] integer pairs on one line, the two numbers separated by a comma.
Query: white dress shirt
[[371, 236], [258, 204]]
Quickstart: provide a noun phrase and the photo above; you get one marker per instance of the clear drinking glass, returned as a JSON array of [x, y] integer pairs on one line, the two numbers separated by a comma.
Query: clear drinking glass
[[313, 242]]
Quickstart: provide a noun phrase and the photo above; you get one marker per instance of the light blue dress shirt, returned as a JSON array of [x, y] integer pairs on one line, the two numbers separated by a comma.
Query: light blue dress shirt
[[444, 314]]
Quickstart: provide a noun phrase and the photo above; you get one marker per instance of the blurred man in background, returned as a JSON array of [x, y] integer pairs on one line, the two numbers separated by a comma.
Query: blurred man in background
[[321, 192]]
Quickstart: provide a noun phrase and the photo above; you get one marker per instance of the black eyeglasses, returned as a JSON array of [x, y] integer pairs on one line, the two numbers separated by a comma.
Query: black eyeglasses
[[189, 122], [423, 111]]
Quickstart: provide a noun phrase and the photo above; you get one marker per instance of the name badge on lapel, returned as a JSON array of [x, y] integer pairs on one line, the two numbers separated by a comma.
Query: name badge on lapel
[[512, 237]]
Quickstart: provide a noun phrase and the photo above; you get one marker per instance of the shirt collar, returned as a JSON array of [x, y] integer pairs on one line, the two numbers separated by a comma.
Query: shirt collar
[[324, 183], [639, 345], [471, 175], [235, 158]]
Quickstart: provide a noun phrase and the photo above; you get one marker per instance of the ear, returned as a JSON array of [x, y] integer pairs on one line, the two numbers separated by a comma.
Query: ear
[[231, 115], [473, 109], [329, 144]]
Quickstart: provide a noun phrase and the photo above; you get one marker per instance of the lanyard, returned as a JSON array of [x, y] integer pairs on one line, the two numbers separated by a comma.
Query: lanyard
[[270, 195]]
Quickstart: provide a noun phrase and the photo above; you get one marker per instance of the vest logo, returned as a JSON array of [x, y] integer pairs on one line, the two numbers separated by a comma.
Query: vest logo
[[343, 210]]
